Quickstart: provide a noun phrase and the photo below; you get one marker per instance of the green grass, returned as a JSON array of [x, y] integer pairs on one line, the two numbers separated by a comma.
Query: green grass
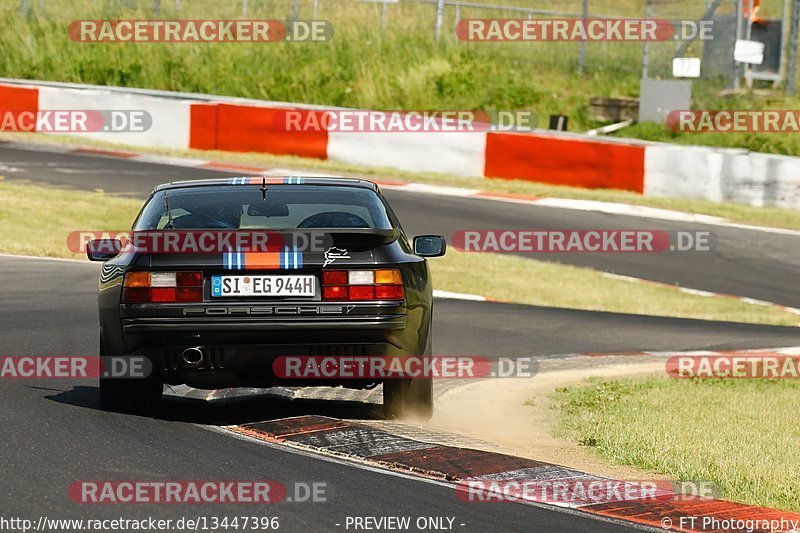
[[403, 68], [758, 216], [739, 434], [37, 220], [24, 230], [517, 279]]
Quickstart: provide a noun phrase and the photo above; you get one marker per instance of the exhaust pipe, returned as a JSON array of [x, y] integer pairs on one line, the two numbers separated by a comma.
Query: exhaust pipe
[[192, 357]]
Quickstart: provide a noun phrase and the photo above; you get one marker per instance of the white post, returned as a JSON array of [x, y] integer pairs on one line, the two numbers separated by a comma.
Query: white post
[[439, 15], [791, 59], [582, 45], [784, 40], [739, 19], [748, 68], [646, 45]]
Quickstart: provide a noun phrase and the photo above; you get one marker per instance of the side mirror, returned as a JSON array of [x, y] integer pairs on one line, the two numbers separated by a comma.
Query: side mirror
[[103, 249], [430, 245]]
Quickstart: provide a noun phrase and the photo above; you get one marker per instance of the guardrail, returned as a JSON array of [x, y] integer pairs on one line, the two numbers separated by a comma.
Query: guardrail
[[213, 122]]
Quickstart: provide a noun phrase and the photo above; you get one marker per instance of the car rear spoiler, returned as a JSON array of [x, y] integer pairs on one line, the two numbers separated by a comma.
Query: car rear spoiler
[[360, 238]]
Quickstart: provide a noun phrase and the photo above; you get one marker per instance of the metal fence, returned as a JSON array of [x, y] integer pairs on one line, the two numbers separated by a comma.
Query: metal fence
[[777, 22]]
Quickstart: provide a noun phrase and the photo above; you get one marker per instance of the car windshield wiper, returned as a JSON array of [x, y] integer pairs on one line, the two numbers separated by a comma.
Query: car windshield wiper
[[167, 212], [263, 187]]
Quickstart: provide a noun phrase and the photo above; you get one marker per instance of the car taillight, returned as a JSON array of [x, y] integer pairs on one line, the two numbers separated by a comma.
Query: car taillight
[[162, 287], [361, 285]]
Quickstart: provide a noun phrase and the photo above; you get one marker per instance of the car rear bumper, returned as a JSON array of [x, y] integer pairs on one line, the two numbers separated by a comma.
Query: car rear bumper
[[142, 333], [241, 341], [144, 326], [255, 365], [241, 351], [159, 325]]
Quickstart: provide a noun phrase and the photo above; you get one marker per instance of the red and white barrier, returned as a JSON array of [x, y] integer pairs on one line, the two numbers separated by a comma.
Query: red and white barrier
[[170, 127], [461, 154], [722, 174], [15, 100], [237, 127], [170, 117], [233, 124], [563, 159]]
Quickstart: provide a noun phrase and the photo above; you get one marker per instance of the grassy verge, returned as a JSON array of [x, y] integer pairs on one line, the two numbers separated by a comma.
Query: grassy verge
[[758, 216], [684, 428], [37, 220], [517, 279], [403, 67]]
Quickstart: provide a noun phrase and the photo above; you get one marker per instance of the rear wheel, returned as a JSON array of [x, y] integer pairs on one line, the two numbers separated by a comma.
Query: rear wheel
[[140, 395], [408, 398], [412, 397]]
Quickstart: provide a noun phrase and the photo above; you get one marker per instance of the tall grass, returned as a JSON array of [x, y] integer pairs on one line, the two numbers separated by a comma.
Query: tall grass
[[401, 68]]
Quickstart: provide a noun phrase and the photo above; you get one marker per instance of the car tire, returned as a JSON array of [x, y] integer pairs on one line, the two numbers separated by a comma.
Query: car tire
[[140, 396], [408, 398]]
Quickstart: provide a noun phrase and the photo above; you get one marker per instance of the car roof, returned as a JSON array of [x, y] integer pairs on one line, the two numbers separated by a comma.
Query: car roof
[[271, 181]]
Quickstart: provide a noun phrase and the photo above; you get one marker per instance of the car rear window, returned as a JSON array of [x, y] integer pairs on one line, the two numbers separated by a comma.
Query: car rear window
[[280, 207]]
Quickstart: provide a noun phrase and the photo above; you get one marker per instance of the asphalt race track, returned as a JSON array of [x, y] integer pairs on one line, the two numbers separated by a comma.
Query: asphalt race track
[[55, 433]]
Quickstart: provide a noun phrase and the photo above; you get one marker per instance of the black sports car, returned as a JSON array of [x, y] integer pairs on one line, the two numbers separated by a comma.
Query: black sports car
[[221, 319]]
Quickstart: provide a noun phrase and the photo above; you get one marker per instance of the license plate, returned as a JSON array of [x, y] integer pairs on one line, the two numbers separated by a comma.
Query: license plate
[[263, 286]]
